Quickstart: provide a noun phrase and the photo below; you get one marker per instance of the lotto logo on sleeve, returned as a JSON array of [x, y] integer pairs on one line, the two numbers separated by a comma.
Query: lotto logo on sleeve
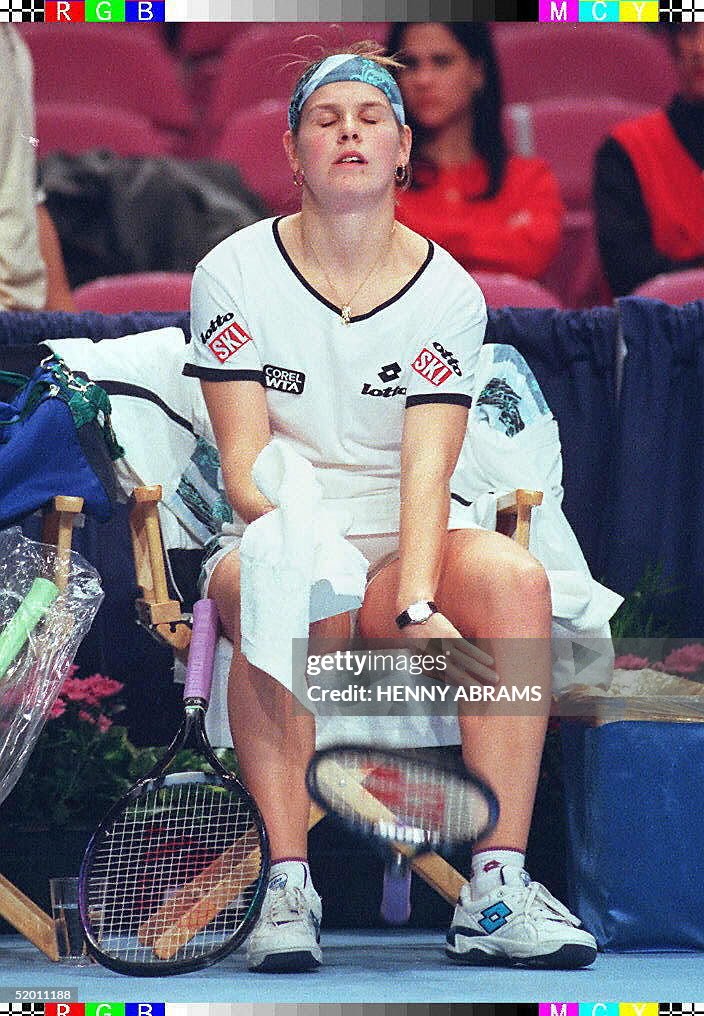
[[229, 340], [430, 367]]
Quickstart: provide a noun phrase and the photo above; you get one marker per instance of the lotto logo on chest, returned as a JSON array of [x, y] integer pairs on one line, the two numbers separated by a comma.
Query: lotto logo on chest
[[430, 367]]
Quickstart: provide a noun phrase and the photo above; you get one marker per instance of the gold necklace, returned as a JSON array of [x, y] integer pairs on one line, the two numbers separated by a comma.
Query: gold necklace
[[346, 305]]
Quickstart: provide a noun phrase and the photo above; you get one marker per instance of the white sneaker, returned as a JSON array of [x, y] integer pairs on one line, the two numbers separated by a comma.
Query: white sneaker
[[519, 923], [286, 938]]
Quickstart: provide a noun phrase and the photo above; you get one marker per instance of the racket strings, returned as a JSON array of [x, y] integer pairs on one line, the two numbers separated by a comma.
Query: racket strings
[[420, 803], [174, 875]]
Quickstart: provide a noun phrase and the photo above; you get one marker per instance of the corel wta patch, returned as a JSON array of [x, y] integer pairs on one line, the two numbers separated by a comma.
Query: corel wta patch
[[228, 341], [430, 367]]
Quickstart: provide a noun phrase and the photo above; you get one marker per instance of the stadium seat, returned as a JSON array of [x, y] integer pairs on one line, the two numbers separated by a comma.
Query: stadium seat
[[202, 47], [553, 60], [576, 274], [566, 132], [674, 287], [199, 39], [251, 140], [122, 69], [502, 289], [122, 294], [75, 127], [265, 63]]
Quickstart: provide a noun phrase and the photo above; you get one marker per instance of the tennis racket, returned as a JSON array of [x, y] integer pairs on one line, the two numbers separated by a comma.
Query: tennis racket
[[407, 804], [173, 878]]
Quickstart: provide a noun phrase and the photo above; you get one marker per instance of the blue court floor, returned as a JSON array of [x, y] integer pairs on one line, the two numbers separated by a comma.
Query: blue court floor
[[372, 966]]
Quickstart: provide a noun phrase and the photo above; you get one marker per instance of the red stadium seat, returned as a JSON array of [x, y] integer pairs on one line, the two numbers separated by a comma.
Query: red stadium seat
[[553, 60], [251, 140], [566, 133], [122, 294], [674, 287], [199, 39], [265, 63], [501, 289], [202, 47], [75, 127], [576, 274], [124, 69]]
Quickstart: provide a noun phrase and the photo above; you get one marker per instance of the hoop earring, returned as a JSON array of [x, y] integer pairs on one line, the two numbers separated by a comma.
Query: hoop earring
[[402, 176], [298, 178]]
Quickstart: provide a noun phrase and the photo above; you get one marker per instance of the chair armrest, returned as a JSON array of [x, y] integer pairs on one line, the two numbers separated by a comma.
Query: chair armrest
[[513, 513], [159, 614], [59, 517]]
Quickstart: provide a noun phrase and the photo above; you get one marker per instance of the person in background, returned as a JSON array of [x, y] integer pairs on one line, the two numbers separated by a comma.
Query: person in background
[[649, 182], [32, 274], [491, 210]]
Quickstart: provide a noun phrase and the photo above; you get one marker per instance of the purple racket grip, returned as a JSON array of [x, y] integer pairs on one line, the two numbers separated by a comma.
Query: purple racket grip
[[201, 653], [396, 899]]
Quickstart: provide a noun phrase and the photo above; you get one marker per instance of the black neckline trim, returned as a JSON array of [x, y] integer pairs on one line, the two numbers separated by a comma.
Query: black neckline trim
[[314, 292]]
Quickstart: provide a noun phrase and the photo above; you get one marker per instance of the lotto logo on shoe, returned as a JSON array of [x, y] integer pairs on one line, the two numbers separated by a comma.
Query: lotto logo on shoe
[[431, 368], [494, 917], [228, 342]]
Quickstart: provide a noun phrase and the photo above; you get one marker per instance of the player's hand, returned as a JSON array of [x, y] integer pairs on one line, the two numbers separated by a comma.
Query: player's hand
[[465, 663]]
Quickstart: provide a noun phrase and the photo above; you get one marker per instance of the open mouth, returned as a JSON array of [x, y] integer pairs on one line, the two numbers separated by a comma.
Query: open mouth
[[351, 159]]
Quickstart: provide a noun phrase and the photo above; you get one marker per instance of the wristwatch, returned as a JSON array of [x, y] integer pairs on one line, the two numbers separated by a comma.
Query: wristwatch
[[416, 613]]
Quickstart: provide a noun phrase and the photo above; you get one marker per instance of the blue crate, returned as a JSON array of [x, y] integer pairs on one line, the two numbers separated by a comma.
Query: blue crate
[[634, 802]]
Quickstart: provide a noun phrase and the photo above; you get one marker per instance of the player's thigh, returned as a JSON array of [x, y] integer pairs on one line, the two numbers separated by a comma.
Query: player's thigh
[[478, 569], [224, 588]]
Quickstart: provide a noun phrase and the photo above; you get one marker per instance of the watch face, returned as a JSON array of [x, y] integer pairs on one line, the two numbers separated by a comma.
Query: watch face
[[419, 612]]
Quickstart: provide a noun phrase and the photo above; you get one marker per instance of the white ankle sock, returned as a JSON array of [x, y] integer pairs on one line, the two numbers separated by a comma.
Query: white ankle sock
[[487, 865], [289, 871]]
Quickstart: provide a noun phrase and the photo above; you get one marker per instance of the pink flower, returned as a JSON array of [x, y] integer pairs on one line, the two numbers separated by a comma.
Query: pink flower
[[687, 660], [631, 662], [104, 723], [88, 717], [102, 687], [58, 709], [90, 691], [74, 690]]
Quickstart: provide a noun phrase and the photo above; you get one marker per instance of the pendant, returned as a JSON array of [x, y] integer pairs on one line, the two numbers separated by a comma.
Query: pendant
[[346, 314]]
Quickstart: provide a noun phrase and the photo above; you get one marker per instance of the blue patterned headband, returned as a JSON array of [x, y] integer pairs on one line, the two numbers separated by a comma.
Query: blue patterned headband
[[345, 67]]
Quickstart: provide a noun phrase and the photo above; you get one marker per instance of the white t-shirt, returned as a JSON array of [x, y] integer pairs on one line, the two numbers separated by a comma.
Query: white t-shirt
[[336, 392]]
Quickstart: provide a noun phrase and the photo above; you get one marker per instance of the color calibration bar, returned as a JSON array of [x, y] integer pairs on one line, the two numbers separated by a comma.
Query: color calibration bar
[[150, 11], [75, 1008]]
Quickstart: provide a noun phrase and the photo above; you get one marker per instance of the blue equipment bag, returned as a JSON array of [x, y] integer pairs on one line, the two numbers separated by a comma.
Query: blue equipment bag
[[55, 438], [635, 829]]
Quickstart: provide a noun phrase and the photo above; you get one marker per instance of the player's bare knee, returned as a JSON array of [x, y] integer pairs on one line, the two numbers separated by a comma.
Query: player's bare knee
[[523, 580]]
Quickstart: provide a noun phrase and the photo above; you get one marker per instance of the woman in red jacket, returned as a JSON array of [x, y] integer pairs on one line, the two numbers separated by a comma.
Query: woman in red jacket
[[491, 210]]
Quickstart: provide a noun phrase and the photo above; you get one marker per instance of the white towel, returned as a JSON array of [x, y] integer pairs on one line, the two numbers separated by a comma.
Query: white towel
[[296, 566]]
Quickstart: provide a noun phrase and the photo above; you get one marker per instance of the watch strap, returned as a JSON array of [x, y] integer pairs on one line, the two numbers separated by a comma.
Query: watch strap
[[404, 619]]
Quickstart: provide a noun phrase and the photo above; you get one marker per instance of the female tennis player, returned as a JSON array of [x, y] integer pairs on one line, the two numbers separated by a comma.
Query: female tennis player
[[378, 331]]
